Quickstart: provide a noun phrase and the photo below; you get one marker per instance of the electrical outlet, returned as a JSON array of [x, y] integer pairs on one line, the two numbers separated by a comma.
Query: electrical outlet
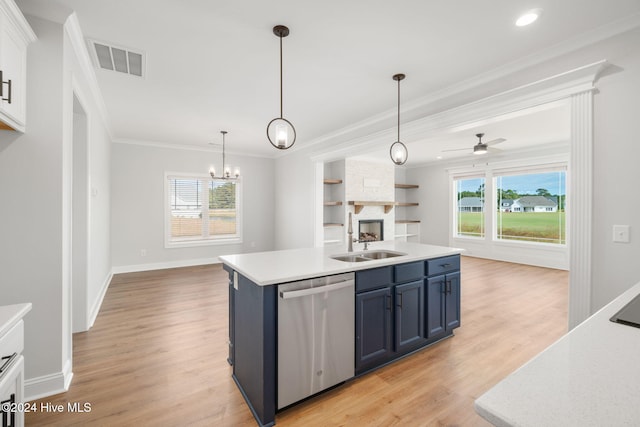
[[143, 252]]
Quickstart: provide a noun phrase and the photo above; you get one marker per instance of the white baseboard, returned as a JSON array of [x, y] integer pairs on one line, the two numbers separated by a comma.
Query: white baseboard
[[98, 302], [164, 265], [48, 385]]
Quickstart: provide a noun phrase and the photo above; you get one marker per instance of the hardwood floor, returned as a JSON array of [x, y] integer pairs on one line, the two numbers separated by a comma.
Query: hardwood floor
[[157, 355]]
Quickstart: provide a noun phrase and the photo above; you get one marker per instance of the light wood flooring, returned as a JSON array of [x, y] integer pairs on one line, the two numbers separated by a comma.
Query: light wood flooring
[[156, 355]]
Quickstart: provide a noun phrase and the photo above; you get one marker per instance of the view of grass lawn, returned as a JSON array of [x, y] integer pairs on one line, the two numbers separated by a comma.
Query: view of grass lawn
[[547, 227]]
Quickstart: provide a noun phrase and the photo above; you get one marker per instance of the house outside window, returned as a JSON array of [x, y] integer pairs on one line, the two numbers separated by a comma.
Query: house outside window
[[469, 219], [202, 211], [537, 206]]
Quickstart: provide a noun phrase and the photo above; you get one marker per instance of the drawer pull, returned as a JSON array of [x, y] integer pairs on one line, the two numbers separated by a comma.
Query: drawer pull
[[2, 83], [445, 265], [8, 359]]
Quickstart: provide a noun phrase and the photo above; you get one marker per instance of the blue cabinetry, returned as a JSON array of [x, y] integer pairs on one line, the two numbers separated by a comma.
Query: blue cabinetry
[[443, 296], [402, 308]]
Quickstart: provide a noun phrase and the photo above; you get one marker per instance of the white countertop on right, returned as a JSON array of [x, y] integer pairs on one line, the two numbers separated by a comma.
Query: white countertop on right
[[589, 377]]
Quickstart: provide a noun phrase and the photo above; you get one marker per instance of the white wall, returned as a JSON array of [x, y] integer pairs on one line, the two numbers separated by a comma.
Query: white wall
[[137, 191], [616, 176], [30, 182], [36, 179], [95, 179], [296, 213]]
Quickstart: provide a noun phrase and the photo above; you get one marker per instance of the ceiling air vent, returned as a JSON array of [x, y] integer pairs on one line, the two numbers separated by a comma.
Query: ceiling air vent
[[114, 58]]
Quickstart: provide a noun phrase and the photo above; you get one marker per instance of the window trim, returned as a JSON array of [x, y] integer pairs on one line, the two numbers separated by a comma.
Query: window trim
[[200, 241], [489, 172]]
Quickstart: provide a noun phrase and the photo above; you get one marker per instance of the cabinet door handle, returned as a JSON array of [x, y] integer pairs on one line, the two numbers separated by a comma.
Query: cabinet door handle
[[388, 302], [9, 359], [448, 286], [8, 83], [399, 300]]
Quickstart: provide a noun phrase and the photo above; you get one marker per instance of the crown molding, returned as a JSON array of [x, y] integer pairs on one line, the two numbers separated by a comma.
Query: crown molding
[[216, 148], [591, 37], [73, 30], [554, 88], [14, 14]]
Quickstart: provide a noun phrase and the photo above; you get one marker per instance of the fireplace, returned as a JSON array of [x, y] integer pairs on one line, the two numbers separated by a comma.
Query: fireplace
[[371, 230]]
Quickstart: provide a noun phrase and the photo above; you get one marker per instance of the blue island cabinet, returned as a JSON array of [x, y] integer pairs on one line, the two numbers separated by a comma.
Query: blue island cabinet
[[403, 308], [399, 309], [443, 296]]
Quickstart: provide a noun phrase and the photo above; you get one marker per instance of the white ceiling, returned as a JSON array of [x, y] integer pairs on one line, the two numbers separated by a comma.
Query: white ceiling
[[213, 64]]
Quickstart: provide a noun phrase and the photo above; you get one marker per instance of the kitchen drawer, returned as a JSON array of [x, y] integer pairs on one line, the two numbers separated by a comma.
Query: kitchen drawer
[[12, 341], [408, 272], [443, 265], [373, 278], [12, 392]]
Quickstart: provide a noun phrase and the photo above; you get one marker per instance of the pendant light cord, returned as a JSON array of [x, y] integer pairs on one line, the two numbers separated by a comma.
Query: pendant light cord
[[398, 110], [281, 115]]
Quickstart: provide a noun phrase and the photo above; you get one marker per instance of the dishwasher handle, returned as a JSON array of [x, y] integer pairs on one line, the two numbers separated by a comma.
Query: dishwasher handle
[[316, 290]]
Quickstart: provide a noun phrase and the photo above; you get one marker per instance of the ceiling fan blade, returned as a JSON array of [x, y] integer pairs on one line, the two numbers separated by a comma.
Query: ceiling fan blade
[[457, 149], [494, 150], [495, 141]]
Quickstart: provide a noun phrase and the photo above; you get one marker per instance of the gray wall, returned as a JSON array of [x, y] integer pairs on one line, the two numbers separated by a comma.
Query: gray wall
[[137, 191], [35, 182]]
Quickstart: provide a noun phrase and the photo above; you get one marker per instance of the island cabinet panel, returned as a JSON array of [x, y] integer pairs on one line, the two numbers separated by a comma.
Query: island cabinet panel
[[443, 304], [408, 272], [254, 336], [373, 328], [409, 316], [374, 278], [452, 301]]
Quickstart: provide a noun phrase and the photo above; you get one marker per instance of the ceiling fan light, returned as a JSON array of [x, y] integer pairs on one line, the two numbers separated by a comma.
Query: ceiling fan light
[[480, 149]]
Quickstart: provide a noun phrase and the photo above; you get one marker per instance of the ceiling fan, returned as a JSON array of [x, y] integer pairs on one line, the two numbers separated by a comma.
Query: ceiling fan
[[481, 147]]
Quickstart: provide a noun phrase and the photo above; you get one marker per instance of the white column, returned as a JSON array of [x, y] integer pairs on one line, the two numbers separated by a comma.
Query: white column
[[580, 207]]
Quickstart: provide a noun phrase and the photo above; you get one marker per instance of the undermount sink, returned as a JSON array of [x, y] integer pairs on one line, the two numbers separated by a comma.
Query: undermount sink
[[366, 256]]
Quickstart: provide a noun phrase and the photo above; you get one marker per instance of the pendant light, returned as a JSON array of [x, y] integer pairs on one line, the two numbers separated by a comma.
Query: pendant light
[[280, 131], [398, 150], [226, 170]]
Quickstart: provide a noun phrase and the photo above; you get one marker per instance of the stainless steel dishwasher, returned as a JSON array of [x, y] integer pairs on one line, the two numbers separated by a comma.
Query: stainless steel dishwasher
[[315, 336]]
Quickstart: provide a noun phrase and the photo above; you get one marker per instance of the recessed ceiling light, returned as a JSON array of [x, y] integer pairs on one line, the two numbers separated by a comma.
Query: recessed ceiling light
[[439, 157], [528, 17]]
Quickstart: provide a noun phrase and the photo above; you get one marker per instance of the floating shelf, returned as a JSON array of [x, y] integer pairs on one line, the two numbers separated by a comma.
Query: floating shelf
[[361, 204], [332, 241], [407, 204], [333, 203], [332, 224], [407, 186], [332, 181], [400, 236], [407, 221]]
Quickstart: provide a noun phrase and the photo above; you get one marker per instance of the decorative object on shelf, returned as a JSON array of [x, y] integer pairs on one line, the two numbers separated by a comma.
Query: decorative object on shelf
[[280, 131], [226, 170], [398, 150]]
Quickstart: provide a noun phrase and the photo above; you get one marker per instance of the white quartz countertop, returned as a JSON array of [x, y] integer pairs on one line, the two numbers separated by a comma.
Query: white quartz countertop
[[11, 314], [589, 377], [269, 268]]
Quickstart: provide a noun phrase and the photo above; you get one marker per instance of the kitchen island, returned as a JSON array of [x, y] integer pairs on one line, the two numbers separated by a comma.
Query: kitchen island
[[589, 377], [406, 299]]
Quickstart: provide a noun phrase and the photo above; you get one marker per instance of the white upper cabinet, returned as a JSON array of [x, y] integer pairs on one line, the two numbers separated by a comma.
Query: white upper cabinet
[[15, 35]]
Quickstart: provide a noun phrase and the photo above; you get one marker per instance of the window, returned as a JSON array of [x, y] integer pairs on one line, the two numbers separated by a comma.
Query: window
[[469, 207], [202, 211], [532, 206]]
